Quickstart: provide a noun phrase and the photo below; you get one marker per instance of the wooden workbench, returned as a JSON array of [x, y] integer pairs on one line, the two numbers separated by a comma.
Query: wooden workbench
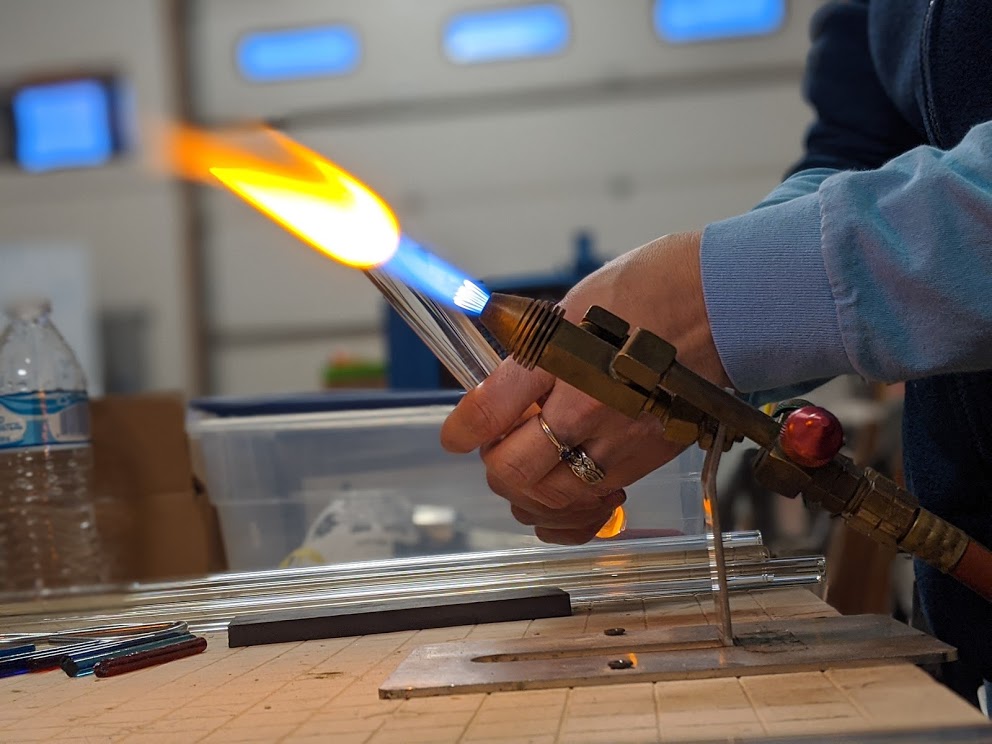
[[327, 691]]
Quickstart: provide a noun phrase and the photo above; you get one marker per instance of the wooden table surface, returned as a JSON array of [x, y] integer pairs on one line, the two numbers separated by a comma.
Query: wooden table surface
[[327, 691]]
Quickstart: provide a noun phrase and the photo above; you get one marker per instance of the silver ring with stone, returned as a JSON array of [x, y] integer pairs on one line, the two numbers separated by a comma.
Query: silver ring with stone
[[584, 467]]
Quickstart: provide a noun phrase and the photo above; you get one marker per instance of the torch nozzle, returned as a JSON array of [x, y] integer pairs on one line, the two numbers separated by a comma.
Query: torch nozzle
[[521, 325]]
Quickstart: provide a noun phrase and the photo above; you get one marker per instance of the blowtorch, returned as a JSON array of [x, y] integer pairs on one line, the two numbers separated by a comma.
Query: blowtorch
[[635, 372]]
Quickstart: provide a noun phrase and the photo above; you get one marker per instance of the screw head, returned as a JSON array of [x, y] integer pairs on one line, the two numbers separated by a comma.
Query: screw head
[[614, 631], [620, 664]]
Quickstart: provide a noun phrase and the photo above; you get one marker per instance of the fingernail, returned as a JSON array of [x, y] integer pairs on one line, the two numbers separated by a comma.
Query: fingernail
[[616, 498]]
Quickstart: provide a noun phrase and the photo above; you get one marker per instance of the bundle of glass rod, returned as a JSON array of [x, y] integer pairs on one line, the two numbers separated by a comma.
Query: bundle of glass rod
[[448, 333], [593, 574]]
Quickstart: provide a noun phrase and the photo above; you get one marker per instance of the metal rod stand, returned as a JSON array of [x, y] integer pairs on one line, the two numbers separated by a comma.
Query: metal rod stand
[[714, 539]]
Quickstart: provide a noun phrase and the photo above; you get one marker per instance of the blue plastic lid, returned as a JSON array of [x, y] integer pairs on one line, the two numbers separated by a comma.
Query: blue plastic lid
[[322, 401]]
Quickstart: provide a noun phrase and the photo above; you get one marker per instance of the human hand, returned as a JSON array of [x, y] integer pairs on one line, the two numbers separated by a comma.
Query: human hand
[[657, 287]]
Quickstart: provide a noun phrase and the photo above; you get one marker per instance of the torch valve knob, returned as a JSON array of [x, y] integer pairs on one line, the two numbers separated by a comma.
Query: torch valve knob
[[811, 436]]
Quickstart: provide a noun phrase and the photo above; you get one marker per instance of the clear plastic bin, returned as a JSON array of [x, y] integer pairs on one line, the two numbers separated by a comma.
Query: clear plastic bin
[[339, 486]]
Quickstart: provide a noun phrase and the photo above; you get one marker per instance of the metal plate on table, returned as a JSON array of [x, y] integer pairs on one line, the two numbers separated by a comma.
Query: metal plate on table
[[685, 652]]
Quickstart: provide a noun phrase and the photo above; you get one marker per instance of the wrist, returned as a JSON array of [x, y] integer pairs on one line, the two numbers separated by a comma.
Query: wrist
[[659, 287], [768, 296]]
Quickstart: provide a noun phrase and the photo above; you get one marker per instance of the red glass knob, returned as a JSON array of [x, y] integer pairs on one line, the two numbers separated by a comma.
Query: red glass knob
[[811, 436]]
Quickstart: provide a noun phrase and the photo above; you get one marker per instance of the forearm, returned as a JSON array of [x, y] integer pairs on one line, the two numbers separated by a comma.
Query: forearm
[[908, 249], [883, 273]]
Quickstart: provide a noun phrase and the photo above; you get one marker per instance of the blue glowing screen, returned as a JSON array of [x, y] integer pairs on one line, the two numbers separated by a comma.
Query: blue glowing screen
[[516, 32], [298, 53], [63, 125], [685, 21], [433, 276]]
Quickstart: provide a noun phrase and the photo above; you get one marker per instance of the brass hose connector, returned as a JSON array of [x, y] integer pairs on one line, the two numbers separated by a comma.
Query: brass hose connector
[[939, 543]]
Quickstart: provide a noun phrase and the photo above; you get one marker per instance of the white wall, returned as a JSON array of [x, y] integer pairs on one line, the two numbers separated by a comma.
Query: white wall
[[496, 166], [128, 222]]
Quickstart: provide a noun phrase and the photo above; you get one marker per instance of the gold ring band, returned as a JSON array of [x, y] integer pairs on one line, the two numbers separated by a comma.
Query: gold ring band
[[584, 467]]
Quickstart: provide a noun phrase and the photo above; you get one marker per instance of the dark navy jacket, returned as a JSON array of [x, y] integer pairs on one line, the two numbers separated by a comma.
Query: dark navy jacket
[[886, 76]]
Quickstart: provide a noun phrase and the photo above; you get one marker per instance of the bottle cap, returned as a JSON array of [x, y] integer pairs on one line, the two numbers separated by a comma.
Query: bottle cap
[[28, 308]]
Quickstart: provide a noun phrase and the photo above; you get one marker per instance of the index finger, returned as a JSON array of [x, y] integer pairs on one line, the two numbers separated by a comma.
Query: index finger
[[494, 407]]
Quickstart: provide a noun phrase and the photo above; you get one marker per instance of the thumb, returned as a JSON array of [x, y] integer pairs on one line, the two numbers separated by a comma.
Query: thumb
[[494, 407]]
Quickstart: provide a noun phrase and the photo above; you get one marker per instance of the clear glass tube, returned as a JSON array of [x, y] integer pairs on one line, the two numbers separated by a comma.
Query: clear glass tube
[[596, 573], [644, 549]]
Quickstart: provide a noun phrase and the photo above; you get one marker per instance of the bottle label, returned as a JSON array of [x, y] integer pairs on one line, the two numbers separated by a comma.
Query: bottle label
[[33, 419]]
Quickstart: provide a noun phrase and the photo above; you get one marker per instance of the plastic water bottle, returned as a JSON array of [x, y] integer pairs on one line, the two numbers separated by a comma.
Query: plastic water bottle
[[48, 525]]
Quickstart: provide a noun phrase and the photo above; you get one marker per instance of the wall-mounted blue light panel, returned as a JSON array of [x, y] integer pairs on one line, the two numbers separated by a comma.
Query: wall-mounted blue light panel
[[298, 53], [686, 21], [509, 33], [67, 124]]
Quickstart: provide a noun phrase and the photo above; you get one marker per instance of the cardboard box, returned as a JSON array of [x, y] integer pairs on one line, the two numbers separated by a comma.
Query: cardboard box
[[163, 524]]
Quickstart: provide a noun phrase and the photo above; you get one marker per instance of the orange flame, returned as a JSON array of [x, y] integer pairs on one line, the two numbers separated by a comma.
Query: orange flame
[[616, 524], [308, 195]]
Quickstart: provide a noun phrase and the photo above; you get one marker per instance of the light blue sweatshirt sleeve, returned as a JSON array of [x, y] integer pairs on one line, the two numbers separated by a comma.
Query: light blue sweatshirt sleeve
[[799, 184], [884, 273]]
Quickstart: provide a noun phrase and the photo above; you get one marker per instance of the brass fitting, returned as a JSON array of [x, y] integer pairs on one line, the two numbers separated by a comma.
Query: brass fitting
[[939, 543], [881, 509]]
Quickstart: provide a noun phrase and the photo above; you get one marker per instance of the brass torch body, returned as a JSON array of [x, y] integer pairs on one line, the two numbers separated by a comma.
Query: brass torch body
[[635, 372]]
